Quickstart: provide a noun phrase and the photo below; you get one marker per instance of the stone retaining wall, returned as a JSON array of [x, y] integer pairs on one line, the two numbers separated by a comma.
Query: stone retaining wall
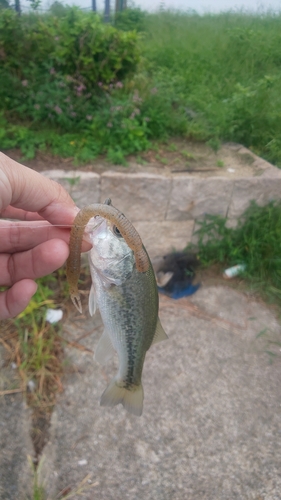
[[165, 208]]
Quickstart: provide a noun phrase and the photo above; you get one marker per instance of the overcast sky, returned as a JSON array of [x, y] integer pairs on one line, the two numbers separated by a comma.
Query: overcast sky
[[200, 6]]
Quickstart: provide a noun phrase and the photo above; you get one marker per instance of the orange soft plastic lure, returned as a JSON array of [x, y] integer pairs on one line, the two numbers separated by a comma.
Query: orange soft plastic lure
[[127, 230]]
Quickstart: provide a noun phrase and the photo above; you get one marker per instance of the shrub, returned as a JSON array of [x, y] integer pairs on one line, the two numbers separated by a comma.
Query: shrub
[[130, 19], [76, 44]]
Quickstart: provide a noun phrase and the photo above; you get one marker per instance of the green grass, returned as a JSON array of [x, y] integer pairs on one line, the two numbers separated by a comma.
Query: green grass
[[255, 242], [224, 70], [38, 490], [210, 78]]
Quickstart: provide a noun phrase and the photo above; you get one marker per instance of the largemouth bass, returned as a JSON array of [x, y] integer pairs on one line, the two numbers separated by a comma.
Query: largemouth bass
[[125, 291]]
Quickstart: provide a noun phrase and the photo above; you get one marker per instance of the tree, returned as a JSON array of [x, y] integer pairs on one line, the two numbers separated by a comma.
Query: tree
[[17, 6], [106, 11], [120, 5], [34, 4], [4, 4]]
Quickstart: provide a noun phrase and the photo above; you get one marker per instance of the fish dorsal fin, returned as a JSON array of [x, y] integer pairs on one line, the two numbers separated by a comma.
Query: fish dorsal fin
[[92, 301], [104, 350], [159, 333]]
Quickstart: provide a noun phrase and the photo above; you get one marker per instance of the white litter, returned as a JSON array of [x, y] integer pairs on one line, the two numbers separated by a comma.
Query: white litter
[[82, 462], [31, 385], [231, 170], [234, 271], [54, 315]]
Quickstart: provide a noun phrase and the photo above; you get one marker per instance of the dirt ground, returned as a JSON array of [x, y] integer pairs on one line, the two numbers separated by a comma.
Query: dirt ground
[[172, 157]]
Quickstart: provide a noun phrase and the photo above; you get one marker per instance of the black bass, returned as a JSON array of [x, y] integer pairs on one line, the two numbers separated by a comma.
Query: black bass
[[125, 291]]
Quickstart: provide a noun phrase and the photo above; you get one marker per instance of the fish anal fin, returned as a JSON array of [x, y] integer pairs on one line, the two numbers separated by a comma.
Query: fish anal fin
[[92, 301], [104, 350], [131, 399], [160, 334]]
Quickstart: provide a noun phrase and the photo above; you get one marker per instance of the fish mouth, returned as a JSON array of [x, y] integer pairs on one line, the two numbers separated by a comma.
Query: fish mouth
[[94, 223]]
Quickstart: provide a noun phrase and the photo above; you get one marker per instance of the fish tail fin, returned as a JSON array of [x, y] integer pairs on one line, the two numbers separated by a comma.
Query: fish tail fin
[[131, 399]]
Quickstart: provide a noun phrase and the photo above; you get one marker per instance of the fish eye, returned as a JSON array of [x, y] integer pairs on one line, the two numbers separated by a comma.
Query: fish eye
[[117, 232]]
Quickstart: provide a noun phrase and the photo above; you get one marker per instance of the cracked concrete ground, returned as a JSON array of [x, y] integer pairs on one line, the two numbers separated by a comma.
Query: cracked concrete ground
[[15, 441], [211, 427]]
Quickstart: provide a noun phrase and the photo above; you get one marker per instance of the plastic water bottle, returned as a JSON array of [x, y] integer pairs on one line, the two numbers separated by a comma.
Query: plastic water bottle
[[234, 271]]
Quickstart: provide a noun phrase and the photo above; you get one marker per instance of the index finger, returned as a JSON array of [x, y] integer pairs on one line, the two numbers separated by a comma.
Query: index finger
[[20, 214], [21, 236], [26, 189], [17, 236]]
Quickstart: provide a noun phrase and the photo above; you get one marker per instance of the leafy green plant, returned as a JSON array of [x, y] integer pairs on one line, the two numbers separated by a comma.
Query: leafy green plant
[[130, 19], [255, 242], [75, 44], [187, 155], [220, 163]]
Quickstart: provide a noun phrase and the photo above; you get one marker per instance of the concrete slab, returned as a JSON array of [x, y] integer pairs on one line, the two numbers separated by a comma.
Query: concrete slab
[[83, 187], [211, 422], [15, 443], [162, 237], [141, 196], [262, 190], [161, 194], [193, 198]]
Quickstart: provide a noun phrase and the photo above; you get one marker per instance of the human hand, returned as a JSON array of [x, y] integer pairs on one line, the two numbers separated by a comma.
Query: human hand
[[27, 253]]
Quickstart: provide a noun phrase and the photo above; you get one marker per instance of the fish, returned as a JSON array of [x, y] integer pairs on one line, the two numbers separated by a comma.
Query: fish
[[124, 290]]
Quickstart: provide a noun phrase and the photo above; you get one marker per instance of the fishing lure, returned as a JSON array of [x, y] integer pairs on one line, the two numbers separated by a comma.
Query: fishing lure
[[127, 230]]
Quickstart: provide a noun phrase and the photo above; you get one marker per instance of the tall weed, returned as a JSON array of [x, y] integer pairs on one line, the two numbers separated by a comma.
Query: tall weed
[[227, 69], [255, 242]]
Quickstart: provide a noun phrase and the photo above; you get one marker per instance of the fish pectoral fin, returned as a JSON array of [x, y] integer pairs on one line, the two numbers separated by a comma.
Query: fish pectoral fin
[[130, 398], [104, 350], [160, 334], [92, 301]]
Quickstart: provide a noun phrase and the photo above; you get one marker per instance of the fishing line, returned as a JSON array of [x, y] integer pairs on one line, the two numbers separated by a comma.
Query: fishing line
[[22, 225]]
